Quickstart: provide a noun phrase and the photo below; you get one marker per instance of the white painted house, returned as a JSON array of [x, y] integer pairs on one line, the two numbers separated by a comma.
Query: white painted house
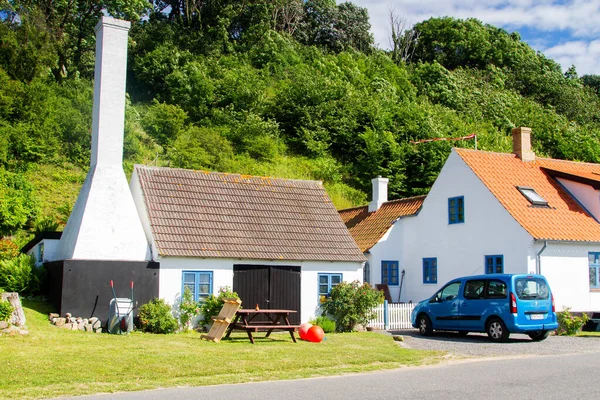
[[279, 243], [494, 212]]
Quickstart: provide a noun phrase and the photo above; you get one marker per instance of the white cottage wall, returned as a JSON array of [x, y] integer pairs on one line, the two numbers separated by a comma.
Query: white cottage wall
[[387, 249], [140, 205], [460, 248], [350, 271], [222, 268], [566, 267]]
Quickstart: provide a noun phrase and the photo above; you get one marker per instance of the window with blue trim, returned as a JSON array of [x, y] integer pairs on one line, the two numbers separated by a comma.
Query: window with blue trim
[[594, 259], [494, 264], [199, 283], [389, 272], [430, 270], [456, 210], [326, 283]]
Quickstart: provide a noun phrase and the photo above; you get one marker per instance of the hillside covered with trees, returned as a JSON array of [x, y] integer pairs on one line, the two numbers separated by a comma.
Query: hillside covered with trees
[[285, 88]]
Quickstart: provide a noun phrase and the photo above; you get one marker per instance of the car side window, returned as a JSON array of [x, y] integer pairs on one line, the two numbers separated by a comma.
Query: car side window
[[496, 289], [448, 292], [474, 289]]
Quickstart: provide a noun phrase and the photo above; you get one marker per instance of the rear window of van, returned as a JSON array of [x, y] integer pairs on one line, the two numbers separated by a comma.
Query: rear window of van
[[531, 289]]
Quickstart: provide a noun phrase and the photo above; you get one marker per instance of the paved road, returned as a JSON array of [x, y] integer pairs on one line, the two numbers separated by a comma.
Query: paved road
[[557, 368]]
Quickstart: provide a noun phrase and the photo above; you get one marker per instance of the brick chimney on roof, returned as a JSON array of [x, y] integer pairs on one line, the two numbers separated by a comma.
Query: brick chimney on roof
[[522, 143]]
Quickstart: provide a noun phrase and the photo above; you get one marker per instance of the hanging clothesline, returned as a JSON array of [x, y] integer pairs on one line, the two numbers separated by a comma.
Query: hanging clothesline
[[472, 136]]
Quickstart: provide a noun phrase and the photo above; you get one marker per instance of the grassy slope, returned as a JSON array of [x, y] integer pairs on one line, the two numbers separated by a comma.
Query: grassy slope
[[53, 362]]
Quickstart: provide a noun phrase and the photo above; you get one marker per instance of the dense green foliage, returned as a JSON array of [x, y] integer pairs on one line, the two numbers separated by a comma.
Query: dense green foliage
[[569, 324], [351, 304], [6, 310], [20, 275], [155, 317], [285, 88], [324, 322]]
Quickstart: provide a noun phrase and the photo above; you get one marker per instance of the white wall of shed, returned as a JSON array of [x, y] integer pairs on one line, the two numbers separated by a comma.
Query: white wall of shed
[[171, 269]]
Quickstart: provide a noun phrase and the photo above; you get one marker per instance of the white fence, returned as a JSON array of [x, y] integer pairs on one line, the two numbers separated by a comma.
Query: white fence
[[392, 316]]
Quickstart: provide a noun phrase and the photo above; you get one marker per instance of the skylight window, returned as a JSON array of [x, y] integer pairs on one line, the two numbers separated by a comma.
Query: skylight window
[[532, 196]]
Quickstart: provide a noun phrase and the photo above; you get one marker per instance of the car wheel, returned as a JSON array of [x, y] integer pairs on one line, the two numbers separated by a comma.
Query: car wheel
[[496, 330], [425, 327], [539, 335]]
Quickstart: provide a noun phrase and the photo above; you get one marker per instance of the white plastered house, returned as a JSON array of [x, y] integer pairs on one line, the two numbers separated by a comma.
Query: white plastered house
[[495, 212]]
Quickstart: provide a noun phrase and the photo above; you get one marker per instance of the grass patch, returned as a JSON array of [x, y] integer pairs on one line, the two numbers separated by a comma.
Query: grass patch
[[588, 334], [52, 362]]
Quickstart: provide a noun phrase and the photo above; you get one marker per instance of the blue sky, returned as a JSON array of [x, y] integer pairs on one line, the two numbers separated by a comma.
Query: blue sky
[[567, 31]]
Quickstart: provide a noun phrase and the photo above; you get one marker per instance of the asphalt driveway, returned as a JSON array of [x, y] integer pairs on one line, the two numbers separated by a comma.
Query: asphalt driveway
[[479, 345]]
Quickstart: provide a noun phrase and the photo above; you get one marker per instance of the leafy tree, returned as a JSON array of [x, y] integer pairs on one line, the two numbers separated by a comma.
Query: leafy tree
[[201, 148], [164, 122], [335, 27], [593, 82]]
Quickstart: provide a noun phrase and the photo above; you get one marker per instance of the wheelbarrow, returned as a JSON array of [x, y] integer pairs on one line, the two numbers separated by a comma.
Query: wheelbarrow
[[120, 314]]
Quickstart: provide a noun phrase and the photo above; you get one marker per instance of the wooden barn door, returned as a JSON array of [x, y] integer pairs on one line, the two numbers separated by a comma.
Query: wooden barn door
[[269, 287]]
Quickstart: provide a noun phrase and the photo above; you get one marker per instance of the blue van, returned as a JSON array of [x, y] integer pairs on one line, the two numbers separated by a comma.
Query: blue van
[[498, 304]]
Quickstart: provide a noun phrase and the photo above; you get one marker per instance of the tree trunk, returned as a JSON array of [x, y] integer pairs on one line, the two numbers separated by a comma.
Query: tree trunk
[[18, 317]]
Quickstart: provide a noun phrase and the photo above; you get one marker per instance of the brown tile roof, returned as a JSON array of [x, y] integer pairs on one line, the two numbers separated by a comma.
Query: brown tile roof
[[210, 214], [564, 219], [368, 227]]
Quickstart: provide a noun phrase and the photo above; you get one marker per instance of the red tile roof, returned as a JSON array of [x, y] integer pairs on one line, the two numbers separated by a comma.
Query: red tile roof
[[564, 219], [368, 227], [210, 214]]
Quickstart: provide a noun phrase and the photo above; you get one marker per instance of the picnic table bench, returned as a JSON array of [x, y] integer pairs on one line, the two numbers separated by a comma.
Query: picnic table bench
[[275, 320]]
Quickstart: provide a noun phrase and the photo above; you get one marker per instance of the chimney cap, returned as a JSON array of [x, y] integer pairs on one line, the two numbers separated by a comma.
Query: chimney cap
[[113, 22]]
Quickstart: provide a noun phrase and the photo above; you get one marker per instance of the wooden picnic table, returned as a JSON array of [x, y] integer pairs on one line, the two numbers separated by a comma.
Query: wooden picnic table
[[275, 320]]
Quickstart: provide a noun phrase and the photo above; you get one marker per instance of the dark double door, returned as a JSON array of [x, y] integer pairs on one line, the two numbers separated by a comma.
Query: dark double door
[[269, 287]]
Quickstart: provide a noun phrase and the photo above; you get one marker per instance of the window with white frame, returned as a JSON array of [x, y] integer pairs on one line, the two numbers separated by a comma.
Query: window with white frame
[[199, 283]]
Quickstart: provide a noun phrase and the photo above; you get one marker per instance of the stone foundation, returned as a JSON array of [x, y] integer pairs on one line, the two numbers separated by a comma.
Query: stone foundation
[[76, 323]]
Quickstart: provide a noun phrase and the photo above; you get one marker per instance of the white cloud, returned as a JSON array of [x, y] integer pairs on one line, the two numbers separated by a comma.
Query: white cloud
[[584, 55], [559, 24]]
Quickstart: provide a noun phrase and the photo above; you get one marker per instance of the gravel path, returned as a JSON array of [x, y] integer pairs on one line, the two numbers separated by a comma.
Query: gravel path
[[479, 345]]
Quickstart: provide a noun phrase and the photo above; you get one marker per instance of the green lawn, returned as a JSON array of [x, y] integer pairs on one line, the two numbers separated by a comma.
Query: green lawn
[[51, 361]]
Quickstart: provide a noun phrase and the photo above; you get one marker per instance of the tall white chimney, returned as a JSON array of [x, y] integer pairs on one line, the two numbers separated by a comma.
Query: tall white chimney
[[104, 223], [380, 195]]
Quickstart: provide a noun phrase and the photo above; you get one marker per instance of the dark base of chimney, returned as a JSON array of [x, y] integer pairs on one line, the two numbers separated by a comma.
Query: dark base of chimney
[[82, 287]]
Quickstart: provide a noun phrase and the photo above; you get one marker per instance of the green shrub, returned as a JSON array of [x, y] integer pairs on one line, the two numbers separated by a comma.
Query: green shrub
[[20, 275], [327, 324], [8, 249], [568, 324], [188, 309], [350, 304], [6, 310], [212, 305], [156, 317]]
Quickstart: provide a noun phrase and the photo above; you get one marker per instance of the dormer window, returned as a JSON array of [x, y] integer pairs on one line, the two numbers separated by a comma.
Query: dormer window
[[531, 195]]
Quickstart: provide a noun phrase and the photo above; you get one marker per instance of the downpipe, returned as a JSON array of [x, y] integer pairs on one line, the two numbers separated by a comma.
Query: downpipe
[[538, 259]]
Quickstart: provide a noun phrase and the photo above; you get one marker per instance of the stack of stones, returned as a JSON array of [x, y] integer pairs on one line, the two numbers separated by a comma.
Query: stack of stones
[[76, 324], [12, 330]]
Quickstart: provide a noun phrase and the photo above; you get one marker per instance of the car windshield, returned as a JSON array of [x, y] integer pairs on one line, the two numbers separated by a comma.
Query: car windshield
[[532, 289]]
